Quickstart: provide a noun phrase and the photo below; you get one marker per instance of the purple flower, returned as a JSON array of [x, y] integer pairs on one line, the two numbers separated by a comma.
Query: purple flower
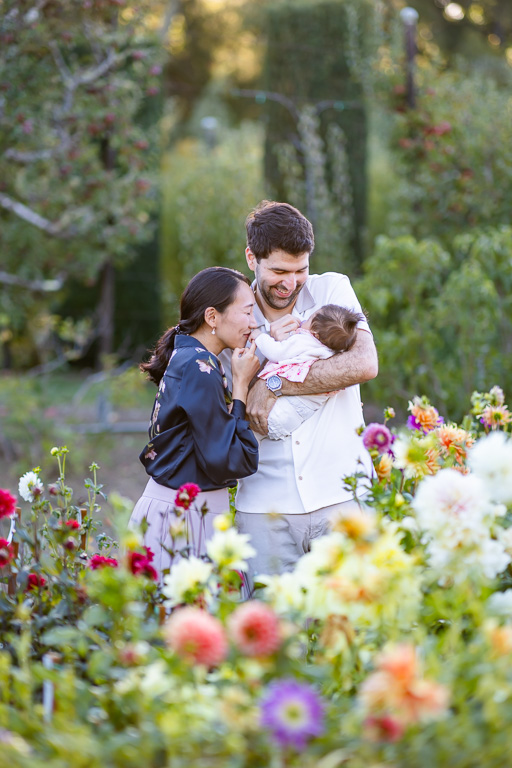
[[293, 712], [378, 437], [413, 423]]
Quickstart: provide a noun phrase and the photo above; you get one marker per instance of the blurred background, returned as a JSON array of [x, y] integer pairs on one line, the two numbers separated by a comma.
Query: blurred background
[[135, 137]]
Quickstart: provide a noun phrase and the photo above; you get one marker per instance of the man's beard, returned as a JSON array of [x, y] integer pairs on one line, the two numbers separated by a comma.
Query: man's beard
[[278, 302]]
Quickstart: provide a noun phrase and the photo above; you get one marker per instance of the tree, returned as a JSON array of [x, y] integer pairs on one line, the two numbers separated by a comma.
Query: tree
[[76, 186]]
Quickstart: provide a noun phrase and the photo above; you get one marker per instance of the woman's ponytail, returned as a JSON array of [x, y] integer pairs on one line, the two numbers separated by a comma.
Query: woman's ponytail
[[156, 365]]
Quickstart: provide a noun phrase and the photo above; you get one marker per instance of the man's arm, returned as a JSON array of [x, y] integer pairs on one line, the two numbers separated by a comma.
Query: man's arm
[[356, 366]]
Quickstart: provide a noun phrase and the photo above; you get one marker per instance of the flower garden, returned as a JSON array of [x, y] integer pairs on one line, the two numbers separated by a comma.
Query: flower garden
[[390, 643]]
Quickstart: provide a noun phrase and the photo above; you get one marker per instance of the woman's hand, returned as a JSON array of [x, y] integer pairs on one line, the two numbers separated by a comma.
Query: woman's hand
[[244, 366], [284, 327]]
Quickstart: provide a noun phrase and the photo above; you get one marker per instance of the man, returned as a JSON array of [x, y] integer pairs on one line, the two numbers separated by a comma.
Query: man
[[299, 483]]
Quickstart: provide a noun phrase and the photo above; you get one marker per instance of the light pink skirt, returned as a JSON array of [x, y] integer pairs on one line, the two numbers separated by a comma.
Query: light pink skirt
[[156, 507]]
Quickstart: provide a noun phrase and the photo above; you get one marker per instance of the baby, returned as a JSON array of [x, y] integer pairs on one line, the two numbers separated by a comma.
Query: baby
[[329, 330]]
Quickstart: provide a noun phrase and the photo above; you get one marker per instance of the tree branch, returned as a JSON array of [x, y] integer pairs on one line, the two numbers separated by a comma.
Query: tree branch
[[61, 229], [87, 76], [45, 286]]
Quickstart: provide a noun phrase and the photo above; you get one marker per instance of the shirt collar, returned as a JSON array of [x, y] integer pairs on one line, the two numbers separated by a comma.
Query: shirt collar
[[304, 302]]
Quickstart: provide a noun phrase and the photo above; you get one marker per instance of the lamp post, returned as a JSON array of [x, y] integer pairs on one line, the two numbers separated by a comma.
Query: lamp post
[[409, 17]]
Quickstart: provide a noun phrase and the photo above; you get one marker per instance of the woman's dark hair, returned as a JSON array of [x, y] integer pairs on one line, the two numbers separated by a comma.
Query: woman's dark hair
[[278, 226], [212, 287]]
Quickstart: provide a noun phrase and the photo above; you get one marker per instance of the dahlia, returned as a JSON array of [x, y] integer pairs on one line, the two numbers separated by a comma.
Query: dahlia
[[196, 636], [7, 504], [254, 629], [293, 712]]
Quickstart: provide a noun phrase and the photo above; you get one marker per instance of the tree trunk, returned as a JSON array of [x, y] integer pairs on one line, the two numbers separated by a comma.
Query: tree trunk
[[106, 313]]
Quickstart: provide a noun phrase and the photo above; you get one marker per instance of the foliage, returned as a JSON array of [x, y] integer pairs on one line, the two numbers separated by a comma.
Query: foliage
[[442, 317], [453, 156], [314, 60], [37, 411], [75, 165], [207, 194], [371, 652]]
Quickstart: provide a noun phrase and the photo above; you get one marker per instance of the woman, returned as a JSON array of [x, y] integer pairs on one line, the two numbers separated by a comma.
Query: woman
[[198, 432]]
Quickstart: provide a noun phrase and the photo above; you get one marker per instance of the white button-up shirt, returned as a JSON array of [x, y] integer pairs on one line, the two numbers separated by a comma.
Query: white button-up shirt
[[304, 472]]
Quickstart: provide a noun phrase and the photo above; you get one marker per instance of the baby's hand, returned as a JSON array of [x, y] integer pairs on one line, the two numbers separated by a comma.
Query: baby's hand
[[284, 327], [254, 334]]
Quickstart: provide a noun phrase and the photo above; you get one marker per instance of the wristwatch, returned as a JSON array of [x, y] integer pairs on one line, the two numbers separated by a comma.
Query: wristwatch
[[275, 384]]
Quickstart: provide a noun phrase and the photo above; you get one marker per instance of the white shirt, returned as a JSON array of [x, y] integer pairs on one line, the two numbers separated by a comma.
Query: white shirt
[[304, 472]]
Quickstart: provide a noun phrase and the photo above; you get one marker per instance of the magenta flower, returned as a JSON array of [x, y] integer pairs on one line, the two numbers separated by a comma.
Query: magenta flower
[[378, 437], [293, 712], [100, 561], [186, 494], [7, 504]]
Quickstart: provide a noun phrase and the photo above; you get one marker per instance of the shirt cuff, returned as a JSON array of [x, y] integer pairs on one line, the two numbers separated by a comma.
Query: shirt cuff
[[238, 409]]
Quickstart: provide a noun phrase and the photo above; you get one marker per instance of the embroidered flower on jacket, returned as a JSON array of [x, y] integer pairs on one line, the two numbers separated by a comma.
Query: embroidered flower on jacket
[[150, 453], [204, 367]]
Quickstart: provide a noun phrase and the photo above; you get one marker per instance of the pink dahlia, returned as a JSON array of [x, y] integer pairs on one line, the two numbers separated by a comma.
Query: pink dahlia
[[100, 561], [186, 495], [254, 629], [377, 437], [7, 504], [196, 636]]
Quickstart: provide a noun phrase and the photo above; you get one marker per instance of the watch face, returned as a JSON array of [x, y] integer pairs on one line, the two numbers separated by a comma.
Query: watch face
[[274, 382]]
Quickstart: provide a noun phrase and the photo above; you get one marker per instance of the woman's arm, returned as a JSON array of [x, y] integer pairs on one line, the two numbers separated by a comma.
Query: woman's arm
[[224, 446]]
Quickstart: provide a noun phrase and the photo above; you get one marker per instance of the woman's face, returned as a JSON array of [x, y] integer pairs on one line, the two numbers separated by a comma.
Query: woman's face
[[234, 325]]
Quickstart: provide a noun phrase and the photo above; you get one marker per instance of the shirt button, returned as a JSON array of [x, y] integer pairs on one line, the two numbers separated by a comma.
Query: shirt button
[[300, 477], [297, 442]]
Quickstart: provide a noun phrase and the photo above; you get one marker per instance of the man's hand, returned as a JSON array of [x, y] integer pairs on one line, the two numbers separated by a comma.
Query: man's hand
[[259, 404], [282, 328]]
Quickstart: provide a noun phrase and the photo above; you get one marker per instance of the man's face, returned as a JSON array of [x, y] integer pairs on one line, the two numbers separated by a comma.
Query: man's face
[[280, 277]]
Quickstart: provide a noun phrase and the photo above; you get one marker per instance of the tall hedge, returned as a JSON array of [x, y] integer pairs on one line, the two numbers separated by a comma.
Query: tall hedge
[[308, 60]]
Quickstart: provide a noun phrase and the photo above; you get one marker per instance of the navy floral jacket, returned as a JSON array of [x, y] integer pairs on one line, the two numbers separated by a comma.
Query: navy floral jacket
[[192, 436]]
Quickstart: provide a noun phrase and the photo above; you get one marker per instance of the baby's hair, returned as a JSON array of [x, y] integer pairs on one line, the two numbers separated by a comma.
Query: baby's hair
[[336, 326]]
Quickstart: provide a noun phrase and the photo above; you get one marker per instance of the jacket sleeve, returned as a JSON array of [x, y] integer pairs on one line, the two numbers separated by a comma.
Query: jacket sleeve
[[224, 445]]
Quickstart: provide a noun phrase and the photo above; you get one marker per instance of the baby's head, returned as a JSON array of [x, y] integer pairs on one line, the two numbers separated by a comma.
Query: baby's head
[[334, 326]]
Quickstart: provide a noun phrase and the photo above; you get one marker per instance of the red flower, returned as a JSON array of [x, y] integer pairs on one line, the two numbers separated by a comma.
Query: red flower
[[35, 581], [141, 564], [99, 561], [383, 728], [6, 553], [72, 524], [7, 504], [186, 495]]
